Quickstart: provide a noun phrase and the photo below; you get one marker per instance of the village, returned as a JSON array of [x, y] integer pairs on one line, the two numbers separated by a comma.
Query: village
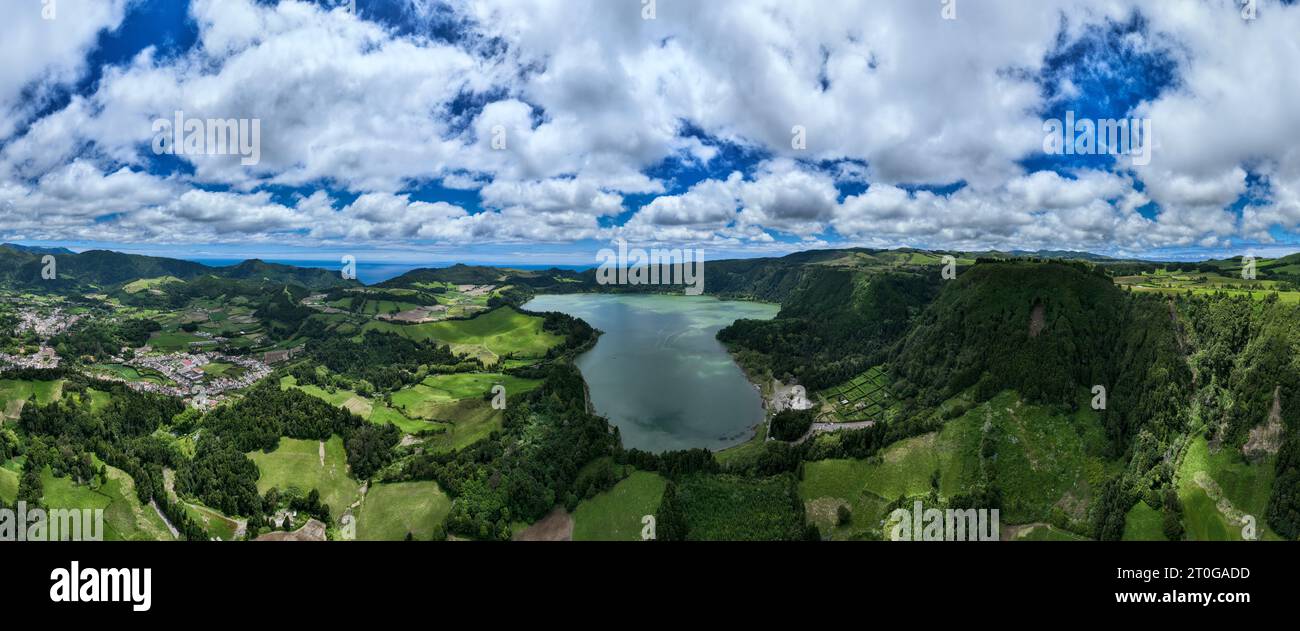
[[205, 376], [190, 375]]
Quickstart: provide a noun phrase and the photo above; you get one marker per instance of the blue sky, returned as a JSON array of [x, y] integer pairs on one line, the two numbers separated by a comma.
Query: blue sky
[[536, 132]]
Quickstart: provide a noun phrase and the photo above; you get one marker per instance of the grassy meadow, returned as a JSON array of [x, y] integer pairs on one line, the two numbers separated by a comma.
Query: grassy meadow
[[489, 336], [297, 464], [390, 511], [616, 514]]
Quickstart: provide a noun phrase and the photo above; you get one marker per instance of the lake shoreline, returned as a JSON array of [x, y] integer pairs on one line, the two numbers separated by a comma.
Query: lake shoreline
[[657, 371]]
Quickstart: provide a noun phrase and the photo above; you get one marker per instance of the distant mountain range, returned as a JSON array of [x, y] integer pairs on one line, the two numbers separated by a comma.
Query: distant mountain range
[[23, 266], [36, 249]]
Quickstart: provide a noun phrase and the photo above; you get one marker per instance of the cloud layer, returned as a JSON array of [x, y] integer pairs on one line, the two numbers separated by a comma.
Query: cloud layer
[[752, 124]]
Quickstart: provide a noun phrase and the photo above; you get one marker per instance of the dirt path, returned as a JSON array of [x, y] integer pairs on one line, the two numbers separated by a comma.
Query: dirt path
[[176, 534], [322, 454], [822, 428]]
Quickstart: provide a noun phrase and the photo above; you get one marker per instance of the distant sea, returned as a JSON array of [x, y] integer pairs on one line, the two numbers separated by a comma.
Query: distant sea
[[372, 273]]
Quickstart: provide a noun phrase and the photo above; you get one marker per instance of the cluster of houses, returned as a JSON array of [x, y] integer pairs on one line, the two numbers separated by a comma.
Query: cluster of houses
[[45, 325], [43, 358], [186, 371]]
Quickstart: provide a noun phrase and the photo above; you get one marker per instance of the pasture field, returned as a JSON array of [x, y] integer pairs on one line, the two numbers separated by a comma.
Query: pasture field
[[429, 398], [222, 369], [615, 515], [863, 398], [390, 511], [466, 422], [125, 518], [297, 464], [1228, 281], [366, 306], [1144, 523], [173, 341], [149, 283], [489, 336], [98, 400], [1044, 459], [8, 486], [1217, 489], [129, 373], [14, 393], [369, 409], [828, 484], [217, 525]]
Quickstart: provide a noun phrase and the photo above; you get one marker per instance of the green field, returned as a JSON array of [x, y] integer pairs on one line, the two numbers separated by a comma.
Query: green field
[[8, 486], [369, 409], [1218, 489], [173, 341], [489, 336], [129, 373], [1144, 523], [149, 283], [1044, 460], [430, 399], [390, 511], [1229, 282], [15, 392], [456, 402], [125, 518], [616, 514], [297, 464], [224, 370]]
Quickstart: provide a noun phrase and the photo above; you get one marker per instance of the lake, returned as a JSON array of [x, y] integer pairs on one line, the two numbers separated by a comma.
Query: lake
[[658, 373]]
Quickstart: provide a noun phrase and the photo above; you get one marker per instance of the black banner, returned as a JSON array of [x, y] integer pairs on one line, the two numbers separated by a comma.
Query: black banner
[[1088, 580]]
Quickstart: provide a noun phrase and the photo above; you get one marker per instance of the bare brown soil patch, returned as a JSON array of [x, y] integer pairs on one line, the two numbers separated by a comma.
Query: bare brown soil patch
[[556, 526], [1267, 438], [1037, 320], [313, 530]]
